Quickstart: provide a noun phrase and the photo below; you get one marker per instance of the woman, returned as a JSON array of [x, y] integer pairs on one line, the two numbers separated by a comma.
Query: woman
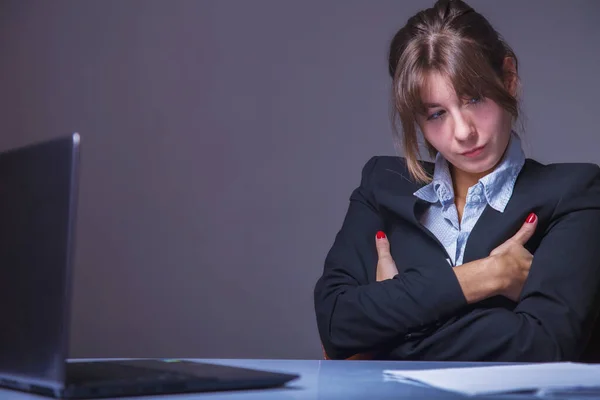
[[483, 255]]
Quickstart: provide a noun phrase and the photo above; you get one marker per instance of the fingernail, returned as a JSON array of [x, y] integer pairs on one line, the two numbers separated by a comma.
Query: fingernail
[[380, 235], [531, 218]]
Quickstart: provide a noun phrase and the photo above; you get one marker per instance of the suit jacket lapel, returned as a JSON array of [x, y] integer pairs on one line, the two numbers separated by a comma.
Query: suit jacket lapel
[[493, 227]]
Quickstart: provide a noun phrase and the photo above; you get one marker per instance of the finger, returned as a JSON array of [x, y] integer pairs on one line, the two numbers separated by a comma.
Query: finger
[[383, 246], [527, 230]]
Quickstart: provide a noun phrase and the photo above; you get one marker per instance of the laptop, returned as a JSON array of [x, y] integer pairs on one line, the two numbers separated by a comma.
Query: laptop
[[38, 202]]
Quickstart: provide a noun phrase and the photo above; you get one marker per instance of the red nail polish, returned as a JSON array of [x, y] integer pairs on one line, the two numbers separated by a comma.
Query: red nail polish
[[531, 218], [380, 235]]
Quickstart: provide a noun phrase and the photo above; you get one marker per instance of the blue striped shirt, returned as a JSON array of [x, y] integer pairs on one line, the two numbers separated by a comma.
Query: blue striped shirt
[[494, 189]]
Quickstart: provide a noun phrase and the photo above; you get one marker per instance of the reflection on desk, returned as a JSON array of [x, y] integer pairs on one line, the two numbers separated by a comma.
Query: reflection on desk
[[323, 380]]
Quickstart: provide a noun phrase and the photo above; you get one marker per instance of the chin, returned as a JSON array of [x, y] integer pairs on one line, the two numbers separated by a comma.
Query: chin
[[478, 167]]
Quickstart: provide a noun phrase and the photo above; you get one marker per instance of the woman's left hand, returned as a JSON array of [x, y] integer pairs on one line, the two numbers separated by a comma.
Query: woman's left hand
[[386, 267]]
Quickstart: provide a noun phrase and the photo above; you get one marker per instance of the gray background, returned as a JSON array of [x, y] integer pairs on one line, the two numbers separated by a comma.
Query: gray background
[[221, 140]]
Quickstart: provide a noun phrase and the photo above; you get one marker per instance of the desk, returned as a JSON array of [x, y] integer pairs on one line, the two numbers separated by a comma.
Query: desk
[[320, 379]]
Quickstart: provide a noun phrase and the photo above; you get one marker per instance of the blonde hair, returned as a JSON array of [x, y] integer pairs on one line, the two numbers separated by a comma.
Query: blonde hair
[[460, 44]]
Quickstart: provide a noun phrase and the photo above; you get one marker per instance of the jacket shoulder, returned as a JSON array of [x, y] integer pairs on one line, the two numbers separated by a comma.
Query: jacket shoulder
[[391, 172], [570, 177], [571, 186]]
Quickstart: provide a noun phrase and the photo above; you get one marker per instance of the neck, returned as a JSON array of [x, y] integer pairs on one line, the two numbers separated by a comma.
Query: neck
[[462, 181]]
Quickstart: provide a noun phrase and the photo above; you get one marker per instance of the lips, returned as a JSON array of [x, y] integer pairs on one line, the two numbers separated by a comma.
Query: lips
[[473, 152]]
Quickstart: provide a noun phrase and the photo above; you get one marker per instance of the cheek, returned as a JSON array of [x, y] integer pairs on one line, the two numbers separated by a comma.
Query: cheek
[[438, 135], [491, 118]]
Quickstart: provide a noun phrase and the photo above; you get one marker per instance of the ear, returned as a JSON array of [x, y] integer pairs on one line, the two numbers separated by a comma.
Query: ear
[[511, 78]]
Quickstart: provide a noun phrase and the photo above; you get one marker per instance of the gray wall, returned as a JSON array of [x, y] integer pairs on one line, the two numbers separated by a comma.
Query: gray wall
[[221, 140]]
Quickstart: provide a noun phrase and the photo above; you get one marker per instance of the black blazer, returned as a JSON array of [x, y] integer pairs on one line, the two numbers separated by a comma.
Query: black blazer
[[422, 314]]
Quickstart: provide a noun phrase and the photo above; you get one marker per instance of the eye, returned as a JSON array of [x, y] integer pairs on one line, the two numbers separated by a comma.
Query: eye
[[474, 100], [435, 115]]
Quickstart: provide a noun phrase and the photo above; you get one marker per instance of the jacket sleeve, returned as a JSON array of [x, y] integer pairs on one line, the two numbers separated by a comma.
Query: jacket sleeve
[[559, 302], [355, 314]]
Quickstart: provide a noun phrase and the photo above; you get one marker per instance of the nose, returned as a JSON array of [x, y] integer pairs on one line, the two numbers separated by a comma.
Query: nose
[[463, 127]]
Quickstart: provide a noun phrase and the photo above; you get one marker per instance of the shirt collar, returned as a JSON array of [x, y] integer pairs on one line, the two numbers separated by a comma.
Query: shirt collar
[[440, 188], [498, 185]]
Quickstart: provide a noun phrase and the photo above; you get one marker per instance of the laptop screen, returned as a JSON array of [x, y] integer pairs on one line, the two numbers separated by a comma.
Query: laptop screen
[[37, 203]]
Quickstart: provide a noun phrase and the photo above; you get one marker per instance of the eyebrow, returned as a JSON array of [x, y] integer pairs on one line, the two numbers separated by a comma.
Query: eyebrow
[[431, 105]]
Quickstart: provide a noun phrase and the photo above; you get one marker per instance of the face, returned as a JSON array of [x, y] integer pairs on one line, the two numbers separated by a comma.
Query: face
[[472, 134]]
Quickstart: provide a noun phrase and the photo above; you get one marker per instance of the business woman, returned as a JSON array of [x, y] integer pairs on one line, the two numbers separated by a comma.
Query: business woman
[[483, 255]]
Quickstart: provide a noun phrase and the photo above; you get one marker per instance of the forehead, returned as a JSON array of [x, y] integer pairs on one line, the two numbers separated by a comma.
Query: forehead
[[437, 88]]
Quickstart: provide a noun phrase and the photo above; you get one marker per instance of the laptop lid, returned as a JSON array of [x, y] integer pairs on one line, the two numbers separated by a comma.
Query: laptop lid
[[38, 194]]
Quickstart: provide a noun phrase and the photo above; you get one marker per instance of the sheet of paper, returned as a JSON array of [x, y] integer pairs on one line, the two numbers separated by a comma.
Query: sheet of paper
[[543, 377]]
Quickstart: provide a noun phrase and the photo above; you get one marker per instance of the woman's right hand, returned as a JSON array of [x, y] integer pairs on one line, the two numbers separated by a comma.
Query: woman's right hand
[[511, 262]]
